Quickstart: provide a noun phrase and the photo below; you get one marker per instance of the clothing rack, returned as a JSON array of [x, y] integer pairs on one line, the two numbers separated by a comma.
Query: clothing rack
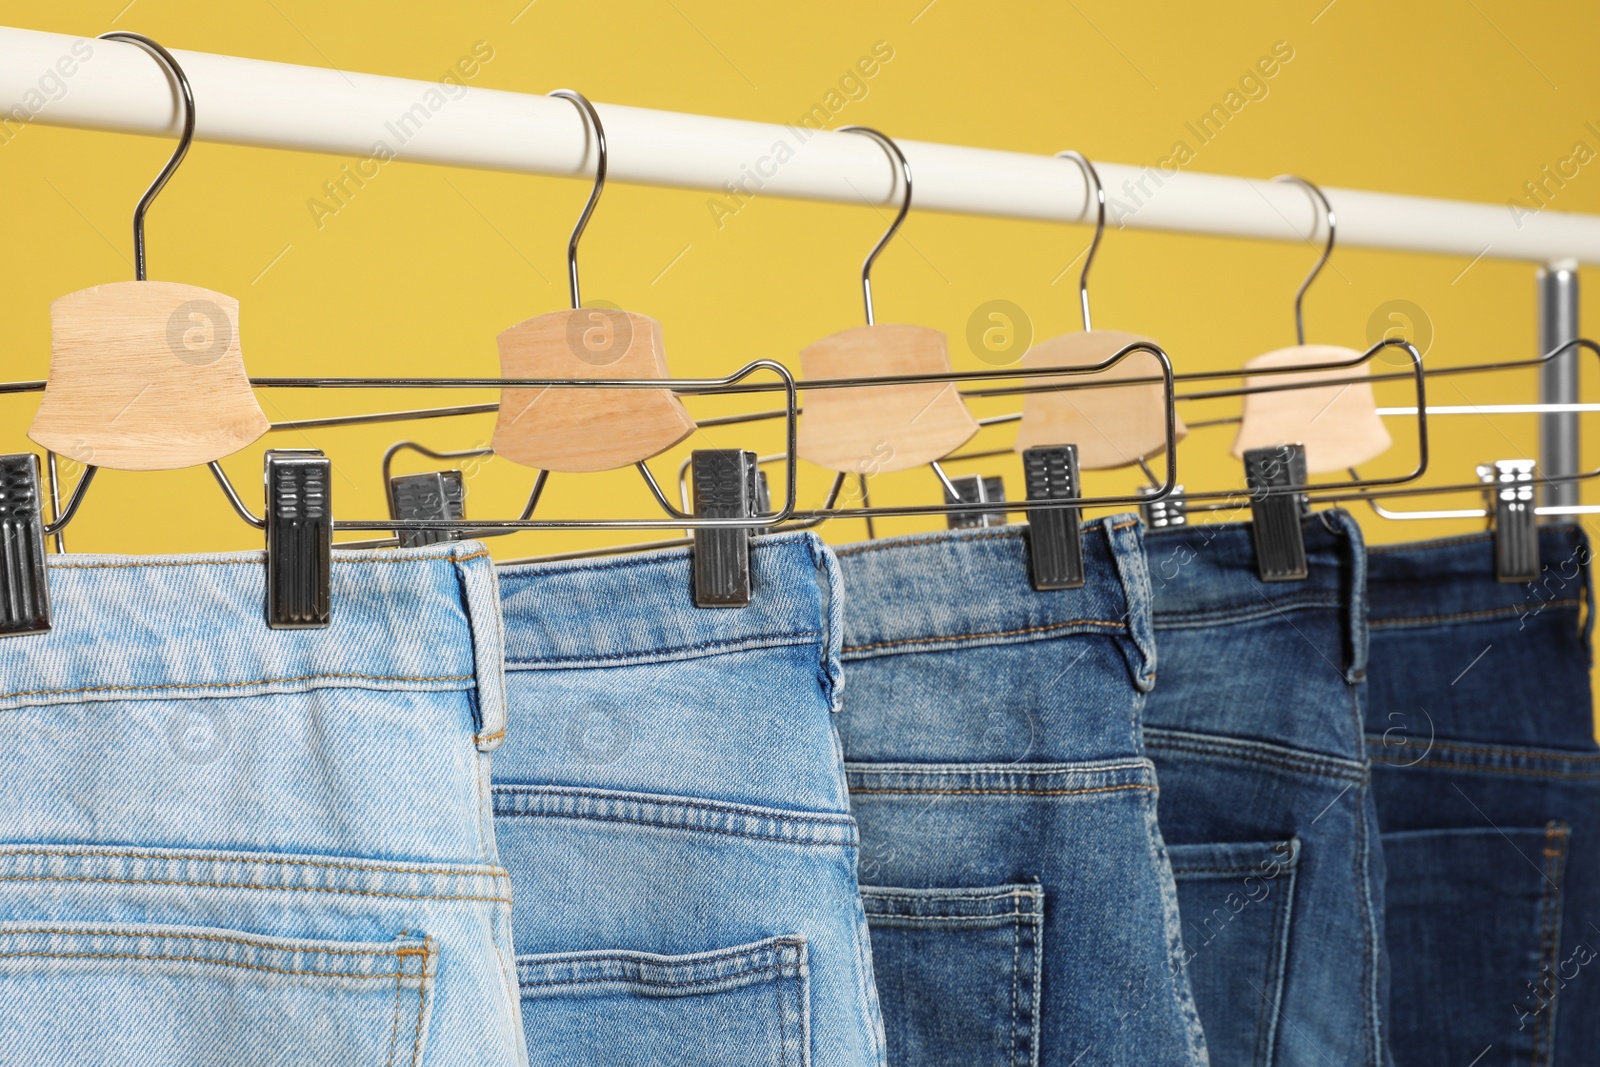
[[61, 80]]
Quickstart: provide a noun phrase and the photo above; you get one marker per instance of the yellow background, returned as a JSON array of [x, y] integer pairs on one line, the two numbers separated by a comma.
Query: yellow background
[[1465, 99]]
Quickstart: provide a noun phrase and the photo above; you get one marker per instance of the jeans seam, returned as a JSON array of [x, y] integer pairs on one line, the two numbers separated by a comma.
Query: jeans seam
[[841, 820], [1309, 767], [194, 959], [422, 1005], [259, 562], [205, 857], [944, 638], [1552, 755], [803, 842], [1005, 792], [245, 885], [1507, 612], [749, 642], [327, 676], [1555, 844]]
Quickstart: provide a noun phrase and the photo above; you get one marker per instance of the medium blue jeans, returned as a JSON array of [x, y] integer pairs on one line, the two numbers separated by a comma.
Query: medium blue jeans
[[1488, 787], [671, 805], [1256, 728], [1021, 904], [222, 844]]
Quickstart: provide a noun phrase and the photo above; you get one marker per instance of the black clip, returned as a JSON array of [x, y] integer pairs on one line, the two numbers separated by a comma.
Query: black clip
[[1275, 526], [1055, 552], [976, 489], [1516, 539], [1171, 510], [299, 539], [726, 486], [24, 584], [437, 495]]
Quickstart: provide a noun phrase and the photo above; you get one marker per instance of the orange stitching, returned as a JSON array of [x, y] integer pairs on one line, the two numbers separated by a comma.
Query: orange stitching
[[235, 685], [481, 738], [278, 888], [422, 1003], [1526, 753], [488, 870], [992, 633], [1506, 612], [480, 554], [1526, 772], [394, 1026], [87, 932], [1013, 792], [1126, 525], [180, 959]]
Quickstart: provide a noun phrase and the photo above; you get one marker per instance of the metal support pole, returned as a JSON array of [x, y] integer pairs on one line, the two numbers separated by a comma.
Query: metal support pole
[[1558, 381]]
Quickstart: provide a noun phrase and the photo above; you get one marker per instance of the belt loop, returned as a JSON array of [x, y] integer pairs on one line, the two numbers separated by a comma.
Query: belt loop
[[480, 595], [1353, 591], [830, 583], [1125, 533]]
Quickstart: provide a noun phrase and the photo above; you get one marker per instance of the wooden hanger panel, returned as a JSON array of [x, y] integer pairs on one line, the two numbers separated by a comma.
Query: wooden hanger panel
[[878, 429], [582, 430], [1111, 427], [1338, 424], [146, 376]]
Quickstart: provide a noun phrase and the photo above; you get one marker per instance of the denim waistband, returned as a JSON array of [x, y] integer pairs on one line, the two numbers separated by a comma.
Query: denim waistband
[[971, 587], [632, 609], [176, 627], [1453, 580], [1205, 575]]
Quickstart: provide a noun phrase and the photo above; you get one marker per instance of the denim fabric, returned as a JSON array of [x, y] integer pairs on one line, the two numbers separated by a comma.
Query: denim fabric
[[1257, 734], [1488, 787], [1020, 900], [672, 808], [223, 844]]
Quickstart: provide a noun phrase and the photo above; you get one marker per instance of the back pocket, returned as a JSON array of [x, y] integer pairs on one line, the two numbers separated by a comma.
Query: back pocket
[[94, 995], [731, 1008], [1474, 930], [958, 973], [1235, 903]]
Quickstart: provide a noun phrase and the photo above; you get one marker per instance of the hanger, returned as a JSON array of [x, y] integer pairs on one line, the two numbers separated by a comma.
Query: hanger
[[147, 375], [1508, 486], [1337, 426], [1113, 427], [586, 429], [888, 427]]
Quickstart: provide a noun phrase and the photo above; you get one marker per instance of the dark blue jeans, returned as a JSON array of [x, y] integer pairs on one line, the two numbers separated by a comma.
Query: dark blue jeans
[[1255, 726], [1019, 897], [1488, 787]]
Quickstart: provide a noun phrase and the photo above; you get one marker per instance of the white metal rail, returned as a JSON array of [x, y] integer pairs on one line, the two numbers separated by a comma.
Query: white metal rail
[[55, 79]]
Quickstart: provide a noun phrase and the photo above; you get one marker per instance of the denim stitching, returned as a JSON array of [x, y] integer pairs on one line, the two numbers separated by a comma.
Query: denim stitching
[[213, 857], [928, 539], [241, 941], [665, 559], [1553, 755], [537, 983], [769, 814], [422, 1005], [246, 562], [846, 843], [394, 1026], [733, 644], [1320, 766], [934, 639], [1006, 792], [235, 685], [1550, 938], [1246, 612], [696, 960], [1509, 611], [1483, 768], [107, 880], [1016, 966], [186, 959]]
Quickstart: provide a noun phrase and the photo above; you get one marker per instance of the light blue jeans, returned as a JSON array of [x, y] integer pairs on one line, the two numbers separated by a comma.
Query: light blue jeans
[[222, 844], [671, 804], [1022, 908]]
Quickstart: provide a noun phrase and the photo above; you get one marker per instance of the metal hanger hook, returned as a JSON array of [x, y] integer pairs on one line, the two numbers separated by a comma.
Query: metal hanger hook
[[1327, 250], [903, 173], [591, 119], [185, 138], [1092, 177]]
